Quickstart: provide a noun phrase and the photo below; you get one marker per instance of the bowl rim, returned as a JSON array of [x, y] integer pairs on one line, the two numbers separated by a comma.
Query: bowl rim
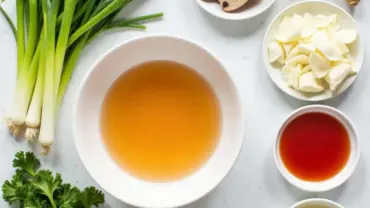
[[319, 186], [134, 39], [268, 64], [237, 16], [319, 200]]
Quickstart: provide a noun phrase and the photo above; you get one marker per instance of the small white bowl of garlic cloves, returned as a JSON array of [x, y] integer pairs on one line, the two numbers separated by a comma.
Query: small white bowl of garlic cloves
[[313, 51]]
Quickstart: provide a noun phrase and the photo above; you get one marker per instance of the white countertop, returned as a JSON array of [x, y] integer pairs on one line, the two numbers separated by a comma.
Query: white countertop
[[254, 182]]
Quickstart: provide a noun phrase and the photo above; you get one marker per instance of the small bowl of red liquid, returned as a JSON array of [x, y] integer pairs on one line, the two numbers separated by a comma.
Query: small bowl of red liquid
[[317, 148]]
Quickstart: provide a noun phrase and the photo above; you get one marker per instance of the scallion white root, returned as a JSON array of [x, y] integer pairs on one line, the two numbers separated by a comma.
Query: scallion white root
[[13, 129]]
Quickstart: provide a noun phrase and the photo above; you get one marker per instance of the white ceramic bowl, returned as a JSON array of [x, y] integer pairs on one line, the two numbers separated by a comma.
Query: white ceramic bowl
[[251, 9], [317, 201], [313, 7], [97, 160], [344, 174]]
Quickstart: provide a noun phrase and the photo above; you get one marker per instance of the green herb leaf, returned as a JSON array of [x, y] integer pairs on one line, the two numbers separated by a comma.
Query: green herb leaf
[[35, 201], [67, 196], [91, 197], [26, 162], [47, 184], [16, 189]]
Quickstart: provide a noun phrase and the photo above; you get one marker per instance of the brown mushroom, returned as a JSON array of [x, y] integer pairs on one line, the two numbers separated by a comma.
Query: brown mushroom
[[232, 5]]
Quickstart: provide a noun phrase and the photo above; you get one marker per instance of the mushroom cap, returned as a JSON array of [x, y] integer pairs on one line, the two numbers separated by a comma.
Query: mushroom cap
[[232, 5]]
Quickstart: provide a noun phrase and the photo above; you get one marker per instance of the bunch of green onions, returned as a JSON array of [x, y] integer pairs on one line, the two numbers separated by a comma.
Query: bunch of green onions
[[51, 35]]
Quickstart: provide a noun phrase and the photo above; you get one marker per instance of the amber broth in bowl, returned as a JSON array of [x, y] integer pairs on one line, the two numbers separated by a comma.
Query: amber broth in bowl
[[182, 143], [160, 121]]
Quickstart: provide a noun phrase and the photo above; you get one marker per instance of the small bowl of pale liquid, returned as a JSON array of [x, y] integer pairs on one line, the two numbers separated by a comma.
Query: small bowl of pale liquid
[[316, 203]]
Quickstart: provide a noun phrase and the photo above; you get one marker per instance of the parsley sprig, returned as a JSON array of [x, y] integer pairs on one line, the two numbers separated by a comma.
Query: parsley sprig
[[31, 187]]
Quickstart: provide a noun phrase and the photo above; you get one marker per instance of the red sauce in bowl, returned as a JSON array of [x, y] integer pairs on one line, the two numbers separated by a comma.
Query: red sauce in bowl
[[314, 147]]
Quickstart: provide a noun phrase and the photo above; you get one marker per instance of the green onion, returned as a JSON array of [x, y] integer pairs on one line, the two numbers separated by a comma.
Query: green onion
[[33, 118], [74, 55], [33, 33], [10, 22], [112, 7], [20, 34], [18, 110], [50, 12], [127, 23], [51, 35], [136, 20], [69, 8]]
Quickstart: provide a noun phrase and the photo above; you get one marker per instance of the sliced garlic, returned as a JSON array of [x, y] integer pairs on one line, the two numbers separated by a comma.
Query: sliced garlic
[[306, 69], [275, 52], [297, 20], [346, 36], [306, 48], [347, 60], [309, 83], [337, 75], [300, 59], [322, 21], [343, 49], [320, 66], [286, 21], [293, 53], [309, 26], [326, 46], [335, 24], [333, 20], [294, 77], [287, 48], [291, 75], [290, 29]]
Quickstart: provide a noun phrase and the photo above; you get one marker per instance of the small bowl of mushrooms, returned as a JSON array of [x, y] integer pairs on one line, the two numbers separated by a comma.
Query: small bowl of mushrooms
[[235, 9]]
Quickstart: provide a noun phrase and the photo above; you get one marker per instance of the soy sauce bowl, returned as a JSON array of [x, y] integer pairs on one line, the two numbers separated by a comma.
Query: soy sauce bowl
[[343, 174], [317, 202]]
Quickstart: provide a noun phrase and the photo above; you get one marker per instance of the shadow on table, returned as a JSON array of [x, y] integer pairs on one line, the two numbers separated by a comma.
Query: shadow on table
[[351, 190], [277, 187], [204, 201], [334, 102], [237, 28]]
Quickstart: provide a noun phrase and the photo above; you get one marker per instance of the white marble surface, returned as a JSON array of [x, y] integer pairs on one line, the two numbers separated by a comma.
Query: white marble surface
[[254, 181]]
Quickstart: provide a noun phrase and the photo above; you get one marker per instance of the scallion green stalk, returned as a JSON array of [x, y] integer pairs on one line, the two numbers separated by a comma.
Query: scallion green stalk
[[127, 23], [112, 7], [33, 33], [135, 20], [69, 9], [20, 34], [74, 55], [10, 22]]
